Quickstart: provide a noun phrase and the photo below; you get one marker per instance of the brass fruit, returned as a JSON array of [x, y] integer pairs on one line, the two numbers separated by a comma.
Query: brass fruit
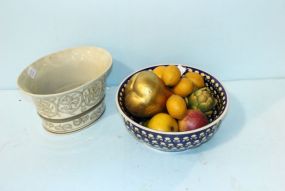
[[145, 94]]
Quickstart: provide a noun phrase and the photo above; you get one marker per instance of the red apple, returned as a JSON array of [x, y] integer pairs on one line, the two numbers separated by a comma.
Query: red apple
[[193, 119]]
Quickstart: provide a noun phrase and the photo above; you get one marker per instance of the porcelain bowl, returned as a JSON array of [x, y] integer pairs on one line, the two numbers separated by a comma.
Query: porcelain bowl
[[68, 87], [176, 141]]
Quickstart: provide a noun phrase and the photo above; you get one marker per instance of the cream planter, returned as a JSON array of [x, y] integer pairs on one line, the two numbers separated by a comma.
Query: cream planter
[[68, 87]]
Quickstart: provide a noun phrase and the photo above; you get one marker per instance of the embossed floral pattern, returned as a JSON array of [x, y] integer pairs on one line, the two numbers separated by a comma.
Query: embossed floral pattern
[[70, 102], [91, 95], [75, 124], [73, 103], [47, 107]]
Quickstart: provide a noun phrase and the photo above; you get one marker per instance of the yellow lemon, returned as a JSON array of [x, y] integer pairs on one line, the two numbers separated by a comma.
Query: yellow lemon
[[196, 78], [184, 87], [159, 71], [176, 106], [171, 75], [163, 122]]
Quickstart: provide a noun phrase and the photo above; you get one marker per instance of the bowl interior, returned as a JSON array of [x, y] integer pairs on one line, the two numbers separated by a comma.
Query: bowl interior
[[214, 85], [64, 70]]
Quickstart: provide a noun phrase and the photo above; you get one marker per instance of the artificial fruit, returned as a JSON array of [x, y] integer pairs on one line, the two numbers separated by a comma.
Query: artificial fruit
[[193, 119], [163, 122], [202, 99], [145, 94]]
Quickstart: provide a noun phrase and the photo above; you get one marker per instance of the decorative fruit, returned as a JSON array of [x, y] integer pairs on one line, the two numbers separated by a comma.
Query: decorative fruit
[[171, 75], [196, 78], [145, 94], [184, 87], [159, 70], [176, 106], [193, 119], [202, 99], [163, 122]]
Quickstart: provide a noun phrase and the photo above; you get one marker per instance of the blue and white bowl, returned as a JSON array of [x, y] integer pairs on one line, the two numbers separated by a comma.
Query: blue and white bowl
[[176, 141]]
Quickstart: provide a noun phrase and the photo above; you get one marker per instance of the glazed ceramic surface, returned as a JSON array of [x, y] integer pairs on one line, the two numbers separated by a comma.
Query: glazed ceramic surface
[[176, 141], [68, 87]]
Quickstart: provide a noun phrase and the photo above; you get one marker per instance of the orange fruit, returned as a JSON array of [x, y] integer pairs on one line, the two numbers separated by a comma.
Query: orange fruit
[[184, 87], [196, 78], [171, 75], [159, 70], [176, 106], [163, 122]]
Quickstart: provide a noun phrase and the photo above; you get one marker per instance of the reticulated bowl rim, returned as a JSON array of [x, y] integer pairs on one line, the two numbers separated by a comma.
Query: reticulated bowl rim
[[216, 121]]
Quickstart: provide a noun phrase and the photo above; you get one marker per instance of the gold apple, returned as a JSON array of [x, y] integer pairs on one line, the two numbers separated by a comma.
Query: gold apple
[[145, 94]]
